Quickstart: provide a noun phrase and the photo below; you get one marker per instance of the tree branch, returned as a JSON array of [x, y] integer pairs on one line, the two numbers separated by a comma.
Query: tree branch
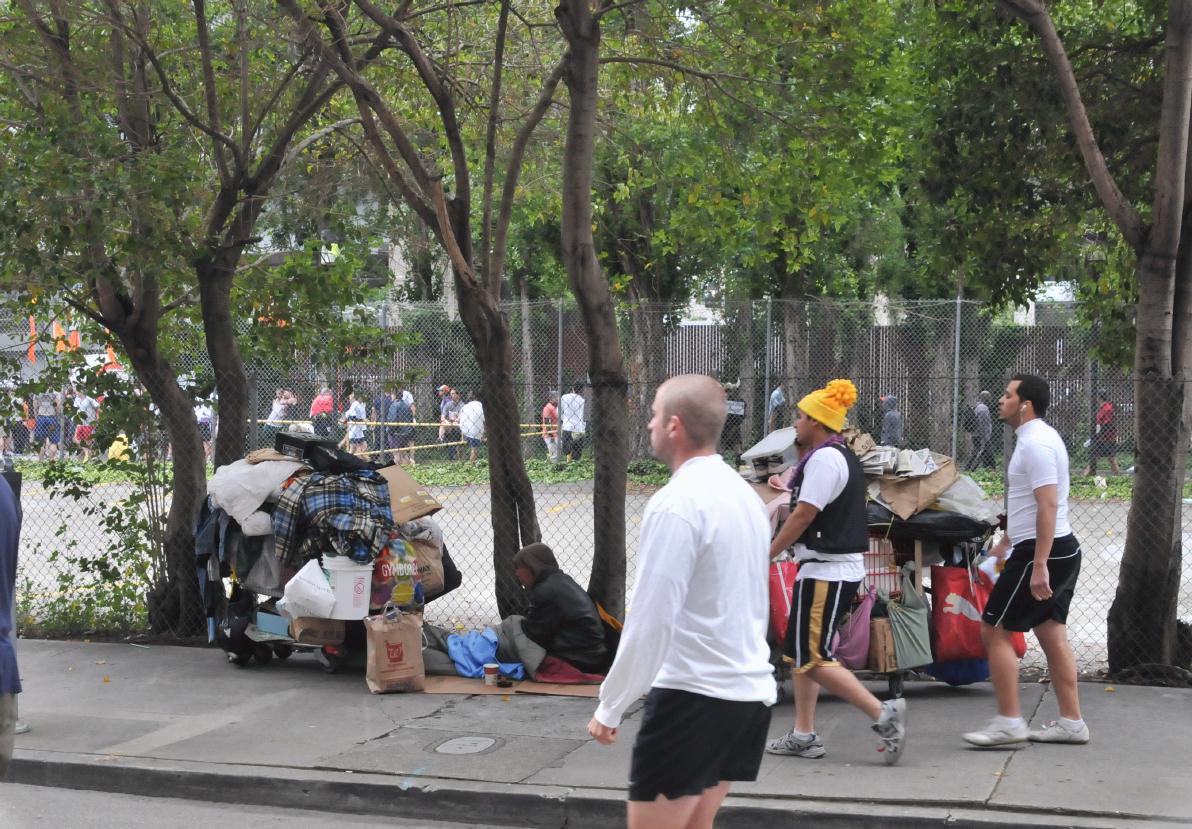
[[517, 154], [210, 93], [317, 135], [433, 83], [463, 268], [180, 105], [493, 281], [1120, 210]]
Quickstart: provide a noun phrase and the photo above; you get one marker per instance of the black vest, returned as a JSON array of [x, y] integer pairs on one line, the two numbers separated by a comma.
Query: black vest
[[841, 527]]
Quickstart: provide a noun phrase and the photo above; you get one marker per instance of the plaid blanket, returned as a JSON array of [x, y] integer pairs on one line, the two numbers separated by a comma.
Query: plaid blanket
[[345, 515]]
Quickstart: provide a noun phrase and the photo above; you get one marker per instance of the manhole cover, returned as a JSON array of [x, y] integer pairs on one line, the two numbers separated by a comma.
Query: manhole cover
[[465, 745]]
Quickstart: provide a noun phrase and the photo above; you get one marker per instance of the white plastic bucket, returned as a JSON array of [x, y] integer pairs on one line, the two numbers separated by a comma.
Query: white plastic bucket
[[351, 583]]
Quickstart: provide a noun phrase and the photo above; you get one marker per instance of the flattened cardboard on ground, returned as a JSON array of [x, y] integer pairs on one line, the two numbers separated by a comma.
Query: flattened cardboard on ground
[[407, 498], [310, 631], [466, 685]]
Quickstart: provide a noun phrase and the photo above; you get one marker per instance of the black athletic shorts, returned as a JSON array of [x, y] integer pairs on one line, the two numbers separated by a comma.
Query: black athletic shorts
[[689, 743], [816, 612], [1011, 605]]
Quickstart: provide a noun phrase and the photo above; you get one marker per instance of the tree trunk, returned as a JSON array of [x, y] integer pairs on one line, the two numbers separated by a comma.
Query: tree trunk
[[795, 371], [606, 363], [174, 605], [215, 299], [648, 357], [1141, 622], [514, 520]]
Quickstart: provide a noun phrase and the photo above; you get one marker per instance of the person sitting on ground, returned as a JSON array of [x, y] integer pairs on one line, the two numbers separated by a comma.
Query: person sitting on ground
[[562, 617]]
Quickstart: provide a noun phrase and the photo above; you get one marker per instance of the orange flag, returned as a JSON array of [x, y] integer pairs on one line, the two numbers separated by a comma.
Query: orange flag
[[112, 364], [32, 340], [59, 337]]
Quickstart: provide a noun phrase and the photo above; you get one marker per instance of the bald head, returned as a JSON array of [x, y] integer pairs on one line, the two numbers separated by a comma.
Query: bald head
[[699, 403]]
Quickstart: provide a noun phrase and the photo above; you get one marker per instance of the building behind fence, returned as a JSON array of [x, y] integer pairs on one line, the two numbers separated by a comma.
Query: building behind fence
[[934, 358]]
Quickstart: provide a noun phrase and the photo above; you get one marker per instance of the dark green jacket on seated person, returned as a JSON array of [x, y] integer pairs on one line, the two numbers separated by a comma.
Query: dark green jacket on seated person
[[562, 617]]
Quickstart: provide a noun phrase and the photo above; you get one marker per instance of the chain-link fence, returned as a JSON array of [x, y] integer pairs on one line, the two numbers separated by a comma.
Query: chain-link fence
[[932, 362]]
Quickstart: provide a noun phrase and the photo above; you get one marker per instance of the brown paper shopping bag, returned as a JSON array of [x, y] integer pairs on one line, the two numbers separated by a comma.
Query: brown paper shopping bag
[[394, 641]]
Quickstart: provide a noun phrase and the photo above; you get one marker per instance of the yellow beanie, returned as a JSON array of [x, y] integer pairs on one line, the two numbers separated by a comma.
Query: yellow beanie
[[829, 404]]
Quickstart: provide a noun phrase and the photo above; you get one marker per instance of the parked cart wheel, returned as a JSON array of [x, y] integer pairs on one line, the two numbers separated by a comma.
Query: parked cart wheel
[[895, 682], [262, 653], [329, 659], [283, 651]]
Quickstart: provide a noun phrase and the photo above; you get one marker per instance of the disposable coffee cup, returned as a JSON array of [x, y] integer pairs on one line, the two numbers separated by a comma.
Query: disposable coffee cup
[[491, 670]]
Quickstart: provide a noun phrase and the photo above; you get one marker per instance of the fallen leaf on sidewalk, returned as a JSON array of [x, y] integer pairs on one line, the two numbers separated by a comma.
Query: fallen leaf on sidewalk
[[1109, 689], [107, 679], [101, 662]]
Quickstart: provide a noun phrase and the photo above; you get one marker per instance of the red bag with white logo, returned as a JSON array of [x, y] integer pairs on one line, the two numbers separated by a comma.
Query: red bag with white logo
[[958, 600], [782, 592]]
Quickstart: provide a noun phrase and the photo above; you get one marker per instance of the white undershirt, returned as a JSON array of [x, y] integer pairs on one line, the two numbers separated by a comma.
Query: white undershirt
[[1040, 458], [699, 613], [824, 478]]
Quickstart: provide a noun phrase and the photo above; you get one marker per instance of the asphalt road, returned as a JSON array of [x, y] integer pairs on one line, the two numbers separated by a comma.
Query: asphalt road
[[26, 807]]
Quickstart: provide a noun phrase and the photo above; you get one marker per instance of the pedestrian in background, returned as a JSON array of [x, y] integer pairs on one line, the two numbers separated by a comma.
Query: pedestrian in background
[[571, 415], [891, 422], [695, 637], [321, 410], [776, 409], [550, 425], [1039, 577], [1104, 442], [449, 422], [471, 425], [353, 419], [982, 434], [87, 409], [828, 529]]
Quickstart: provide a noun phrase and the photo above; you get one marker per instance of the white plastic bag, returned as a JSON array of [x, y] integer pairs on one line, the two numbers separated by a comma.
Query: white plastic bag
[[966, 497], [309, 593]]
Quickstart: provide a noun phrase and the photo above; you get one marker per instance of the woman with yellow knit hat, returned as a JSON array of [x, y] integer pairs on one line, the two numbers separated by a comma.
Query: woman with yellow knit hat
[[828, 529]]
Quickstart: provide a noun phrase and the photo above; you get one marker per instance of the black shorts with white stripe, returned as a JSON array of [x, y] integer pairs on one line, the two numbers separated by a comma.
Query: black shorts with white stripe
[[817, 610], [1011, 605]]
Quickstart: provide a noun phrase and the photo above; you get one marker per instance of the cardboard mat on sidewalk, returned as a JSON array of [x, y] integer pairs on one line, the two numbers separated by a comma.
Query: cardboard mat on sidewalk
[[465, 685]]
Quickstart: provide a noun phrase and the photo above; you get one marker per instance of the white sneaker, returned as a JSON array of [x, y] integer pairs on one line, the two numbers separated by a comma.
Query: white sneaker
[[21, 728], [1054, 732], [998, 735], [891, 727]]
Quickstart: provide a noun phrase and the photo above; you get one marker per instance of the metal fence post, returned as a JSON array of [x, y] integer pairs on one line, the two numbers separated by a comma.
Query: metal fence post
[[766, 351], [956, 369], [559, 390]]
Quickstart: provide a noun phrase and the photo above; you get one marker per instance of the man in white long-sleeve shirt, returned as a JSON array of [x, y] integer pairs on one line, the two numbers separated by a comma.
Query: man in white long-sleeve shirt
[[695, 636]]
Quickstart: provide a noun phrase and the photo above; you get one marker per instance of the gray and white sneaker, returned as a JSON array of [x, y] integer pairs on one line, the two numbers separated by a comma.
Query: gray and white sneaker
[[891, 727], [792, 746], [1053, 732], [21, 728], [998, 735]]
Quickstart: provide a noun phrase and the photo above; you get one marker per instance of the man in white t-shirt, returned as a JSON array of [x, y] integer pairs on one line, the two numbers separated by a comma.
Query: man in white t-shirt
[[571, 417], [1038, 579], [471, 426], [828, 529], [695, 636]]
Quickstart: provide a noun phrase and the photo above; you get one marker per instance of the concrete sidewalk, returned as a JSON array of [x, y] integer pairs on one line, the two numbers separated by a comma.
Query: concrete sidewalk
[[181, 722]]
